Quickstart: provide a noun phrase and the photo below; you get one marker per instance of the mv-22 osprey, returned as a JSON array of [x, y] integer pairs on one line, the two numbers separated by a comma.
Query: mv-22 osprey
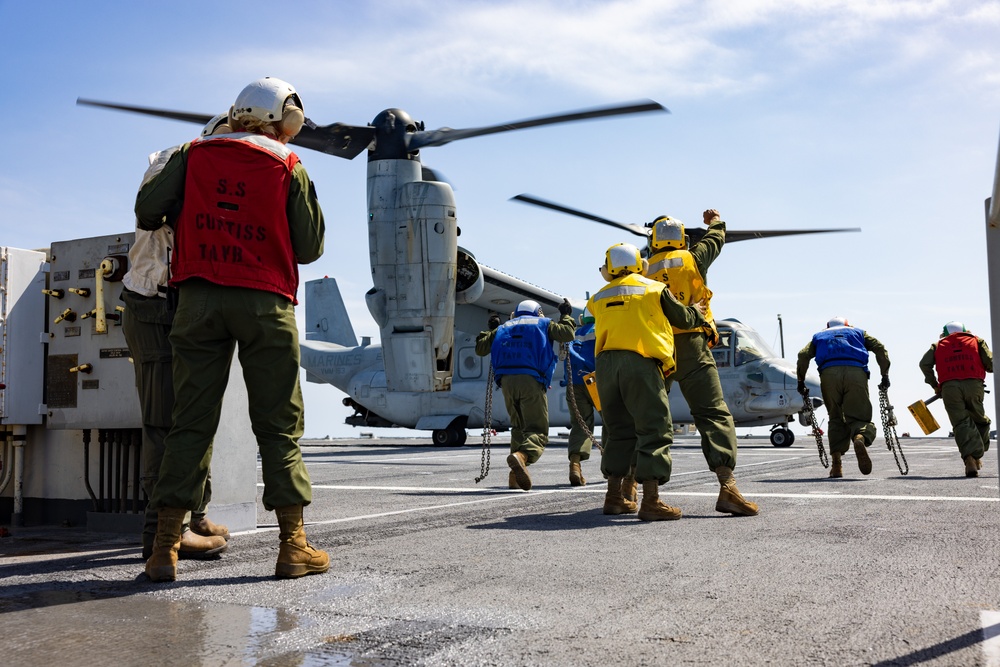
[[431, 297]]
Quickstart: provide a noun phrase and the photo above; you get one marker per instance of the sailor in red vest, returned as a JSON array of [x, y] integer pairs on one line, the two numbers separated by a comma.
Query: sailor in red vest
[[962, 360], [245, 214]]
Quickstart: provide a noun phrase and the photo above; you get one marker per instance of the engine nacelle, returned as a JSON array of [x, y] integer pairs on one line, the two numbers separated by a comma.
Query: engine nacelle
[[470, 283]]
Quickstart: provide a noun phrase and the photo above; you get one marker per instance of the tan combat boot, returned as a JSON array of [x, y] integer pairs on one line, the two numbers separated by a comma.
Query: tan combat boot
[[512, 481], [836, 469], [198, 547], [652, 509], [518, 463], [575, 472], [162, 563], [296, 557], [614, 503], [971, 469], [194, 546], [202, 525], [730, 500], [864, 463], [629, 488], [629, 494]]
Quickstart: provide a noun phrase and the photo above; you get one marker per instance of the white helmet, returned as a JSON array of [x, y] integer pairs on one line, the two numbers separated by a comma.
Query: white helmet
[[953, 327], [218, 125], [838, 322], [270, 100], [528, 307]]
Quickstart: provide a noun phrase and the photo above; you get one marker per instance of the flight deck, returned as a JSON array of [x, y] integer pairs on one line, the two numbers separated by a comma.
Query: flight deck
[[428, 567]]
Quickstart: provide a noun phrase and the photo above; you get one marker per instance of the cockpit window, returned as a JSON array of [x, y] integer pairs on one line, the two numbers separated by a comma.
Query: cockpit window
[[721, 350], [750, 347]]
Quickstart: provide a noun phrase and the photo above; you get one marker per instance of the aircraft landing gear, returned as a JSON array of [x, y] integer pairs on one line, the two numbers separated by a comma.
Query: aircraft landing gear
[[782, 437], [452, 436]]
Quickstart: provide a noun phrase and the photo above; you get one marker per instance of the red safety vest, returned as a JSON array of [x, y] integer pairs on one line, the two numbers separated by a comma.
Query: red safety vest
[[957, 358], [233, 228]]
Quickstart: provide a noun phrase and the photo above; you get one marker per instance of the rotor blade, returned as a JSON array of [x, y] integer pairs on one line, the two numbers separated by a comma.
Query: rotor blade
[[418, 140], [185, 116], [733, 235], [338, 139], [530, 199]]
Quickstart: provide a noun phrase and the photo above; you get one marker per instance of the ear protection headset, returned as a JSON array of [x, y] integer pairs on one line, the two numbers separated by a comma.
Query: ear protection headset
[[292, 117]]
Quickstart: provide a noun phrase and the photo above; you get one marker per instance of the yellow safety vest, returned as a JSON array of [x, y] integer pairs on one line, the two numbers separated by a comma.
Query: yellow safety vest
[[628, 316], [677, 270]]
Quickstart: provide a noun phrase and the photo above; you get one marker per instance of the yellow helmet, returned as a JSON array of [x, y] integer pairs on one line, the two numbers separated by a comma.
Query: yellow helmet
[[623, 258], [667, 233]]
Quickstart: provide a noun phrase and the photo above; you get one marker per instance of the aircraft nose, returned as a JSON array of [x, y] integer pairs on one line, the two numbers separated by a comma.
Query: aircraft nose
[[812, 384]]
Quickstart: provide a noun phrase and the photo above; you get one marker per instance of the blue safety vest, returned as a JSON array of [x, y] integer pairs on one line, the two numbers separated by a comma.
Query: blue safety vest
[[841, 346], [581, 353], [521, 346]]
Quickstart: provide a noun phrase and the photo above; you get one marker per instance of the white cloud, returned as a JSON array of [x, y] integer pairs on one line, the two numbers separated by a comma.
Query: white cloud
[[630, 48]]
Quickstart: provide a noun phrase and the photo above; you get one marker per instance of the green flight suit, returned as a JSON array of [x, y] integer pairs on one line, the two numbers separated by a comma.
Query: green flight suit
[[579, 442], [698, 377], [697, 374], [963, 401], [636, 415], [845, 395], [635, 409], [210, 320], [525, 397], [146, 325]]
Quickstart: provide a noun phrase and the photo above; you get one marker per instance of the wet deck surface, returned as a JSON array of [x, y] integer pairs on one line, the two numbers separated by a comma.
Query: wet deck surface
[[430, 568]]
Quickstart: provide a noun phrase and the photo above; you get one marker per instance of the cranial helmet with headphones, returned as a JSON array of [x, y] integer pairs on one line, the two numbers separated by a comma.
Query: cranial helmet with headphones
[[218, 125], [528, 307], [667, 233], [623, 258], [953, 327], [837, 322], [269, 102]]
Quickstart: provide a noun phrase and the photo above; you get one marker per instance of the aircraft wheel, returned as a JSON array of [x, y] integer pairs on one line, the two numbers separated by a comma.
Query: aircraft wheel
[[449, 437], [782, 437]]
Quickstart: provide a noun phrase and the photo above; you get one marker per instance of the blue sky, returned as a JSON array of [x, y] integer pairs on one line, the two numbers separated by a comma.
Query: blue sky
[[785, 114]]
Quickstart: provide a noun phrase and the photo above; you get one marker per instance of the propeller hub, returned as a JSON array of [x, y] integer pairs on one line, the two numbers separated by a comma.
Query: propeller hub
[[393, 128]]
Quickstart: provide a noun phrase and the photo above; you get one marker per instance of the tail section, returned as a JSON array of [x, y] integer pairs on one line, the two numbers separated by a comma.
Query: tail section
[[326, 316]]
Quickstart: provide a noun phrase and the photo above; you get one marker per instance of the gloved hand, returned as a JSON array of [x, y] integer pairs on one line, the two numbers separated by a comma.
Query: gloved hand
[[710, 215], [802, 388], [493, 322], [885, 383], [565, 308]]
